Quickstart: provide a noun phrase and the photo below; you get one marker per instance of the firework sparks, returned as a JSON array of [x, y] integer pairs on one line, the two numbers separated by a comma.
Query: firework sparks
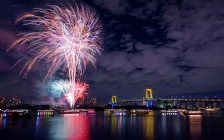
[[59, 87], [67, 38], [77, 90], [72, 91]]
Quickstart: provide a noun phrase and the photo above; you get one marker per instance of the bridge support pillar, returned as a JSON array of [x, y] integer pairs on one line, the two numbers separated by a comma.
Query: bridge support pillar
[[113, 105], [185, 103], [148, 103], [206, 104], [114, 101]]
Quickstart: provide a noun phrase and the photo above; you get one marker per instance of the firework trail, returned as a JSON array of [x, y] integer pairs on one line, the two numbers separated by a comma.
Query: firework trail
[[65, 38], [59, 87], [72, 91], [76, 91]]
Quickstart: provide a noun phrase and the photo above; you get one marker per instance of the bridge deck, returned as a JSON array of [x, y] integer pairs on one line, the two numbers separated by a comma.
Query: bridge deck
[[176, 99]]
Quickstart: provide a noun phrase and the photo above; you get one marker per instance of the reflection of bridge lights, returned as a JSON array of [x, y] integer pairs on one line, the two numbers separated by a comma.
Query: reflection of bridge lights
[[195, 126], [4, 123], [195, 115]]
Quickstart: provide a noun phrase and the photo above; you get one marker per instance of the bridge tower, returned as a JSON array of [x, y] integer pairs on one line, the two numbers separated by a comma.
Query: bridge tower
[[148, 94], [148, 97], [114, 101]]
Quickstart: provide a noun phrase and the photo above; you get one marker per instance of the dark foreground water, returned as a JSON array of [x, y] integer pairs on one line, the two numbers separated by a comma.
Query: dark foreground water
[[100, 126]]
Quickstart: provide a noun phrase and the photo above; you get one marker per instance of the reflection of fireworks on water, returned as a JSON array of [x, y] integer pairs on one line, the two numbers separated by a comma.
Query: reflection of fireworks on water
[[72, 91], [67, 38]]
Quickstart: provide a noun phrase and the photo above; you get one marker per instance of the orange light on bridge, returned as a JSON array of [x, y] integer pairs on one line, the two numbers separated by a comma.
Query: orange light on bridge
[[148, 94], [114, 99]]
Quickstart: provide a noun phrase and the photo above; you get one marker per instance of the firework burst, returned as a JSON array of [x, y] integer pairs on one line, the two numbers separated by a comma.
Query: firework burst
[[76, 91], [72, 91], [59, 87], [67, 38]]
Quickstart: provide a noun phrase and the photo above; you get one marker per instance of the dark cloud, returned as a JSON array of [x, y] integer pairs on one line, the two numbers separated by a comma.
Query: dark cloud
[[116, 7], [173, 47], [186, 58]]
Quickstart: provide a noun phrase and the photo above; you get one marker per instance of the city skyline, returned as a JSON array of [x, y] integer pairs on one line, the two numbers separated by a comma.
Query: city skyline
[[174, 48]]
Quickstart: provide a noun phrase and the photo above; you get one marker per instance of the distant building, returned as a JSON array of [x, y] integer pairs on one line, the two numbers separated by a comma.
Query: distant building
[[93, 102], [100, 102], [12, 101], [2, 100], [16, 100]]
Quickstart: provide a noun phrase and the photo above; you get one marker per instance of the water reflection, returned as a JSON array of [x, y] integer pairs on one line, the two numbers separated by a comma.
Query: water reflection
[[148, 127], [4, 123], [117, 125], [113, 125], [177, 126], [168, 125], [0, 120], [195, 126], [37, 126], [163, 125], [102, 126], [72, 127]]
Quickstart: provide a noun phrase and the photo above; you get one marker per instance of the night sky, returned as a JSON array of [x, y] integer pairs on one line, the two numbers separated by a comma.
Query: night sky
[[175, 48]]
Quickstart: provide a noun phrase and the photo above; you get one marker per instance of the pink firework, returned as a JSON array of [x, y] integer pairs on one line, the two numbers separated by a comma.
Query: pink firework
[[66, 38], [72, 91], [76, 91]]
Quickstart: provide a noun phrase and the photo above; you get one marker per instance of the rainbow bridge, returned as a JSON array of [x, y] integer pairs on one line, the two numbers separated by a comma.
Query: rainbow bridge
[[148, 100]]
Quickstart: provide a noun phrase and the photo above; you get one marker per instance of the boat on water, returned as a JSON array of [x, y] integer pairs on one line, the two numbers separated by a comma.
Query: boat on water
[[192, 112], [169, 111], [45, 112], [119, 111], [140, 111], [15, 114], [212, 109], [73, 111], [115, 111]]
